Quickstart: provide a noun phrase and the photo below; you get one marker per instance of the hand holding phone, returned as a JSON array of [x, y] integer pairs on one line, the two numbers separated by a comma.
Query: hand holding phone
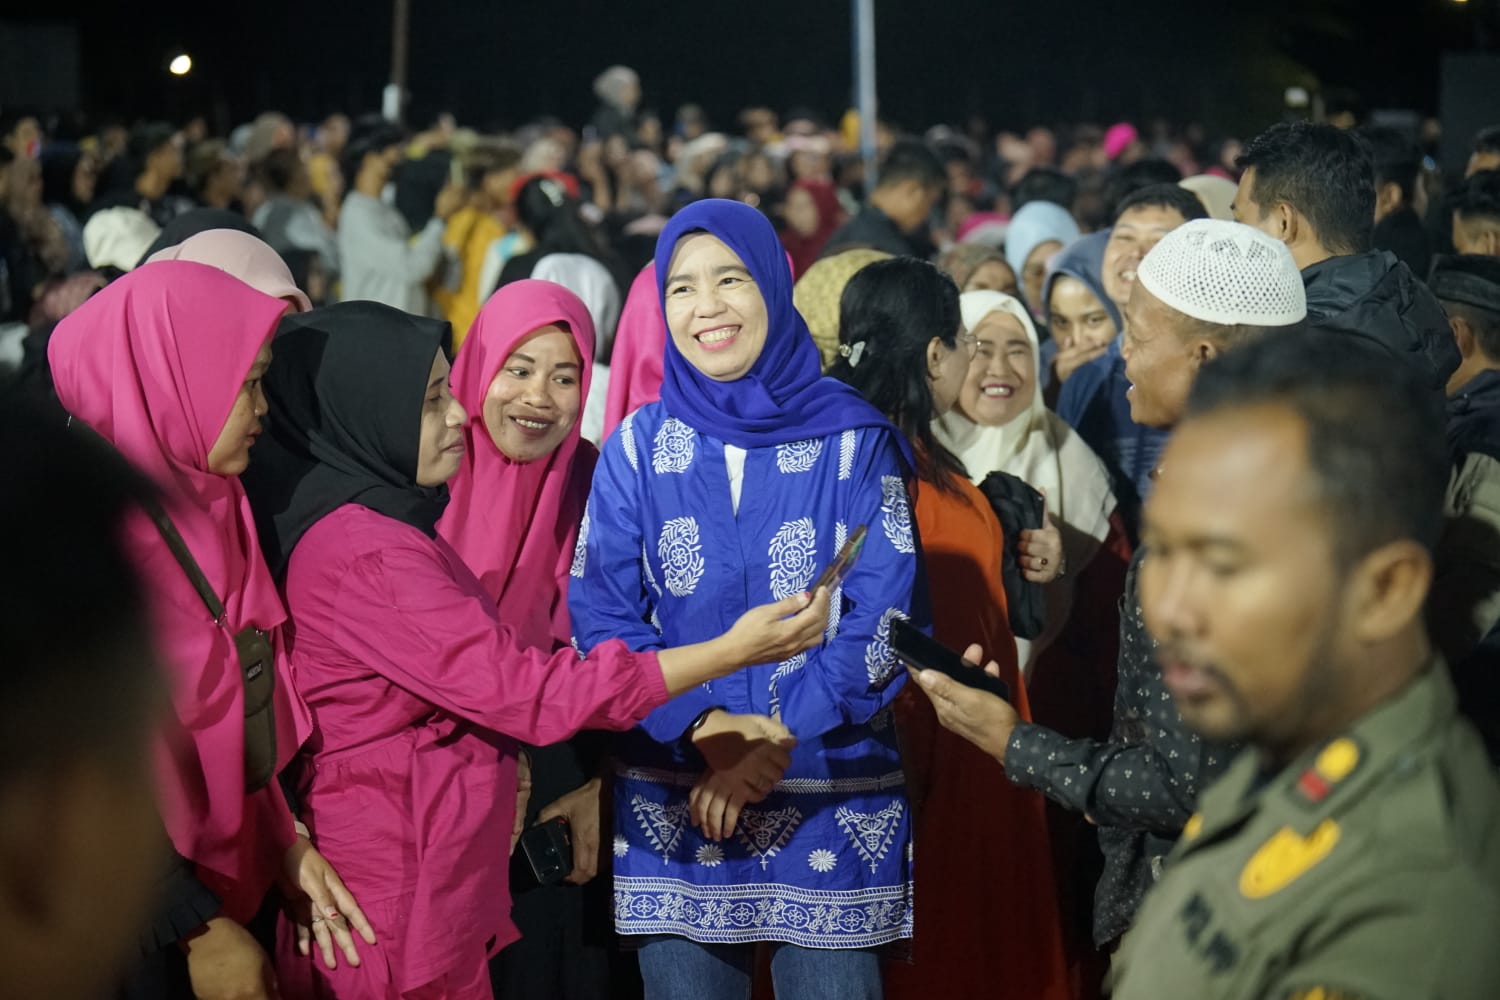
[[547, 852], [925, 653]]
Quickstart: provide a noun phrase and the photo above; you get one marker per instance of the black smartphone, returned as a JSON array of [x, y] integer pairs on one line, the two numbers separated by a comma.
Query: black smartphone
[[926, 653], [547, 850], [838, 571]]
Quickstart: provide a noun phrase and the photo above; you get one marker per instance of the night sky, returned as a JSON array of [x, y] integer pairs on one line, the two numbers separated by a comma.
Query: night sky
[[499, 63]]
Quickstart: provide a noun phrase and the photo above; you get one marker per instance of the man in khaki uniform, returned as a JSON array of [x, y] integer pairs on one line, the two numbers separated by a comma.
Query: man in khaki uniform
[[1353, 850]]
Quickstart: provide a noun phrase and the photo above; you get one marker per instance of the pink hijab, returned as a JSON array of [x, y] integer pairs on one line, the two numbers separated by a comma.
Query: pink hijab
[[635, 370], [242, 255], [515, 523], [154, 363]]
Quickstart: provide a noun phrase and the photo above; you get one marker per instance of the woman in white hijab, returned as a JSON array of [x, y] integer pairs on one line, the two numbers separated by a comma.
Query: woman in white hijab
[[1001, 423]]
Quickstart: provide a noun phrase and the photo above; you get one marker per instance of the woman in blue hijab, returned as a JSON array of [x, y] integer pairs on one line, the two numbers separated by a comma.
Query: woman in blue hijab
[[770, 808]]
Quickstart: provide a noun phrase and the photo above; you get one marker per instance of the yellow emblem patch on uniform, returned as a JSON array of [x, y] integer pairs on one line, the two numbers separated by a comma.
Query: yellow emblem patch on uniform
[[1338, 759], [1321, 993], [1193, 826], [1286, 857]]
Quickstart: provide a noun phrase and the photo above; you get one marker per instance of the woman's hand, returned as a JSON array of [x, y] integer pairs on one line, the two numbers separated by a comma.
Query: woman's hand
[[320, 905], [1072, 357], [1040, 552], [717, 799], [767, 634], [771, 633], [523, 797], [225, 963], [726, 738], [581, 808]]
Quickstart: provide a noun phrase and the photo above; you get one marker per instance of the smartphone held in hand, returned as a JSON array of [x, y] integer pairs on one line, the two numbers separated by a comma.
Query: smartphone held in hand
[[925, 653], [843, 563], [544, 855]]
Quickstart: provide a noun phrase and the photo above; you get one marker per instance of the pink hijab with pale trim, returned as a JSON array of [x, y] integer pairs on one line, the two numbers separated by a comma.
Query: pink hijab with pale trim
[[515, 523], [154, 363]]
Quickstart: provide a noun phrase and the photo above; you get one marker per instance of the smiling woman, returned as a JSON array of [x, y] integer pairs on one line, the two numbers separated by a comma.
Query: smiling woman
[[418, 690], [750, 473], [715, 313]]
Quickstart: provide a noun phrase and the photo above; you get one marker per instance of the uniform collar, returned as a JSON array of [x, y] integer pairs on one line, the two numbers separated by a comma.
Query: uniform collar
[[1321, 780]]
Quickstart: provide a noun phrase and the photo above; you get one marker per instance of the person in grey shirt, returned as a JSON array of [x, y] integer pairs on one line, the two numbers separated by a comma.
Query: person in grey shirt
[[289, 220], [380, 260]]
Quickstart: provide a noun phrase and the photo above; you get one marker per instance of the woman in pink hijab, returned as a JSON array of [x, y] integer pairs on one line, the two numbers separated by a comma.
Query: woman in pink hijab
[[635, 370], [420, 690], [166, 365], [513, 516]]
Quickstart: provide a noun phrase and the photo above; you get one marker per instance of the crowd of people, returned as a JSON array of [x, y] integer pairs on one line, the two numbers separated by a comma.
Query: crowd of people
[[401, 510]]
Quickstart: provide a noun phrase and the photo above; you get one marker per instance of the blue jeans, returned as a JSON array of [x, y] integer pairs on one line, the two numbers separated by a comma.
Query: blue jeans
[[675, 968]]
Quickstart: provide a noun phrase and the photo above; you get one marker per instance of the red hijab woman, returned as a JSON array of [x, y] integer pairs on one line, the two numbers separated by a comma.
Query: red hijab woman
[[813, 213]]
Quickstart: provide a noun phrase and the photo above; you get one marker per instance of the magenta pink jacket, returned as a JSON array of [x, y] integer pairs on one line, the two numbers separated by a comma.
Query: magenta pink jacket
[[419, 693]]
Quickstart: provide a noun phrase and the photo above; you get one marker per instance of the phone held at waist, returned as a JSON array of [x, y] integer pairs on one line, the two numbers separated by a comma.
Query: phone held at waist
[[544, 855]]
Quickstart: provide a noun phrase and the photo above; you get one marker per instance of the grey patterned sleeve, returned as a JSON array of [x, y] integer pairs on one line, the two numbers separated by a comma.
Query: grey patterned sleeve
[[1145, 787]]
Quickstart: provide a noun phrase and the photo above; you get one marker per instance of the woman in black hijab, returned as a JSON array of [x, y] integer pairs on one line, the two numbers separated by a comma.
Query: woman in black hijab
[[419, 693]]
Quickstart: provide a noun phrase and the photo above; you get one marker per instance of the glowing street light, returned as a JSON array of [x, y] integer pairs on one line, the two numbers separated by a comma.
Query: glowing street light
[[181, 64]]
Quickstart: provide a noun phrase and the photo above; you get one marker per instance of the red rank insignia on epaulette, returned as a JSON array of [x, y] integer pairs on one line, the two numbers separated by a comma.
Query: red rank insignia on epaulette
[[1313, 786], [1334, 763]]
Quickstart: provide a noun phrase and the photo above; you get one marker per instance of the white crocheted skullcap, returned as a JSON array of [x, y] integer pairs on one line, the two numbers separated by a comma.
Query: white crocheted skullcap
[[1227, 273]]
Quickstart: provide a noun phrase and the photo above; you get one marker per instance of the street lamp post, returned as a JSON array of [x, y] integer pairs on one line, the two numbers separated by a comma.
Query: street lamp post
[[864, 84], [394, 98]]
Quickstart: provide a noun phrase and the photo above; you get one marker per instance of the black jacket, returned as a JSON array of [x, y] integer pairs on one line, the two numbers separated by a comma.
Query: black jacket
[[1403, 234], [1474, 418], [873, 228], [1375, 296]]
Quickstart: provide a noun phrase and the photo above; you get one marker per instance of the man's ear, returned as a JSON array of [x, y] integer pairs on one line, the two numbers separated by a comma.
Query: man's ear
[[1387, 590], [1387, 199]]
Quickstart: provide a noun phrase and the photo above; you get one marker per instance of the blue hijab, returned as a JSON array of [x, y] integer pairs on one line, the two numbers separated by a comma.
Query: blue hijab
[[784, 397], [1084, 260]]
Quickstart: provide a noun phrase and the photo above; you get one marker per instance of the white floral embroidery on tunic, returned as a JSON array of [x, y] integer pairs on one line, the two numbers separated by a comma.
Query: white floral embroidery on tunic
[[764, 832], [847, 441], [792, 554], [681, 555], [673, 449], [627, 441], [895, 509], [581, 550], [798, 456], [880, 659], [663, 823], [872, 833]]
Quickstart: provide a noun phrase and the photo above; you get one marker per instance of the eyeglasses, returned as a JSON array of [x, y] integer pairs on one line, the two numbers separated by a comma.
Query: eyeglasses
[[968, 342]]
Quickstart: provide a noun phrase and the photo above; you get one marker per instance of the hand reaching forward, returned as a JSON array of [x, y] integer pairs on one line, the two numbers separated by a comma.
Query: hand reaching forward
[[978, 716]]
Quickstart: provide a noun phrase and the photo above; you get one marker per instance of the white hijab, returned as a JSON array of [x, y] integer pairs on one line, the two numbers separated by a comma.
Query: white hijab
[[1039, 448], [591, 281]]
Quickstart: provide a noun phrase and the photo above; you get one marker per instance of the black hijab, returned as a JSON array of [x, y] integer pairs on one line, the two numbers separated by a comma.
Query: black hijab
[[346, 391]]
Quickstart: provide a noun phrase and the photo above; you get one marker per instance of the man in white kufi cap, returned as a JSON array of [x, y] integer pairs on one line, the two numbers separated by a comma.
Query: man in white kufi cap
[[1206, 287], [1209, 286]]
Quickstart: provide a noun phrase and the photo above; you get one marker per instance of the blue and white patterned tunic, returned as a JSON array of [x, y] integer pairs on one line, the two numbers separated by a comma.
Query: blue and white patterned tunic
[[824, 861]]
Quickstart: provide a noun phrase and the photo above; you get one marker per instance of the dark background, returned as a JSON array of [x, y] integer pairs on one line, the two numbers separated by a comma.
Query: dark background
[[499, 63]]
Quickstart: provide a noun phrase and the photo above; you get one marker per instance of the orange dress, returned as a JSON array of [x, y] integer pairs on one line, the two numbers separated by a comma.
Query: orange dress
[[987, 922]]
